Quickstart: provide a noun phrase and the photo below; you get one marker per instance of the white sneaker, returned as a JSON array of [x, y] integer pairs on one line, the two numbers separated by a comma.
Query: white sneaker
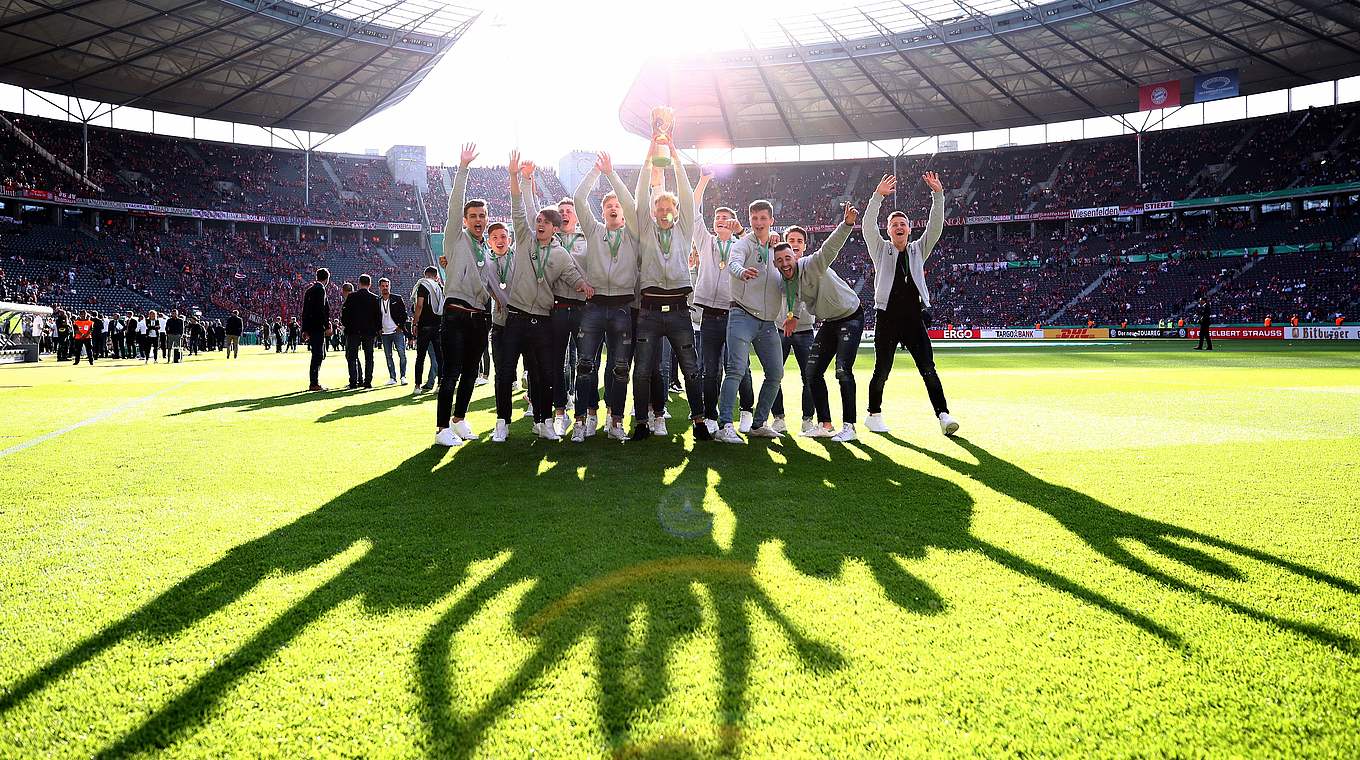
[[447, 437], [502, 431], [515, 388], [875, 423], [592, 425], [550, 432], [727, 435], [764, 431], [778, 426], [712, 426], [563, 423], [391, 381], [416, 391], [528, 410], [659, 426], [616, 432], [745, 424], [665, 414], [809, 428], [464, 430], [480, 381], [948, 425], [578, 435], [403, 379], [847, 434], [816, 431]]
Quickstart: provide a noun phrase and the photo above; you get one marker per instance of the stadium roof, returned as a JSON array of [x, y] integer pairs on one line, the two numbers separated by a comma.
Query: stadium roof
[[931, 67], [319, 65]]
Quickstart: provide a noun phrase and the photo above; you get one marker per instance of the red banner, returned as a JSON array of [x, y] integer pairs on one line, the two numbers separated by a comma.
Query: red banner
[[954, 334], [1159, 95], [1241, 333]]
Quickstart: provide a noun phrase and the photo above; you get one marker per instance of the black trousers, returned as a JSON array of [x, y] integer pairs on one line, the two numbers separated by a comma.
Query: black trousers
[[427, 341], [839, 340], [352, 345], [566, 323], [909, 331], [86, 345], [654, 328], [531, 337], [316, 342], [462, 339], [1205, 341]]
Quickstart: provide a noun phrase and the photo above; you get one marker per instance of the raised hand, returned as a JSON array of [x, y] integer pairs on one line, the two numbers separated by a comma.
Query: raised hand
[[851, 214], [526, 170], [706, 171], [468, 155], [604, 163], [932, 181], [886, 186], [734, 227], [513, 166]]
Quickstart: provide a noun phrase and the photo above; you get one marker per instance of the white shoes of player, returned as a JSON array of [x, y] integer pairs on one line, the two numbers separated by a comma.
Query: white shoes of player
[[592, 425], [447, 437], [764, 431], [712, 426], [847, 434], [658, 426], [547, 431], [578, 434], [875, 423], [528, 410], [778, 426], [416, 391], [391, 381], [515, 388], [403, 379], [616, 431], [813, 430], [502, 431], [464, 430], [727, 434], [948, 425], [480, 381], [563, 423], [665, 413], [745, 423]]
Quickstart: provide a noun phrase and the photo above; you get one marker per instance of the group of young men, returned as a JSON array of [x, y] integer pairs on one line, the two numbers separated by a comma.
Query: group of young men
[[620, 288]]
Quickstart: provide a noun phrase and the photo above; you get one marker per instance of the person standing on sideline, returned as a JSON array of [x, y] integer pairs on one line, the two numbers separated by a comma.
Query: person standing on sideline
[[82, 337], [611, 266], [540, 262], [362, 315], [428, 300], [316, 325], [100, 334], [901, 298], [469, 289], [294, 331], [1206, 341], [233, 329], [392, 312], [174, 333], [280, 335], [810, 282], [118, 334], [713, 296]]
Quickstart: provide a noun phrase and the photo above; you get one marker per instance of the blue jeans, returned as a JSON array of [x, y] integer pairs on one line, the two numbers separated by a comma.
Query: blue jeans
[[713, 330], [389, 340], [745, 332], [601, 324], [839, 340], [801, 345], [654, 328]]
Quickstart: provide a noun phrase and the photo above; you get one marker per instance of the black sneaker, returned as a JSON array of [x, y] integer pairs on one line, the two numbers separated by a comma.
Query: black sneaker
[[640, 433], [701, 432]]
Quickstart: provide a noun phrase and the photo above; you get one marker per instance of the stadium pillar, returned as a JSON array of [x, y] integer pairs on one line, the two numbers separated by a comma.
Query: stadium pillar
[[165, 224], [965, 233], [199, 225], [132, 222], [264, 231], [1138, 140], [98, 221], [1255, 212], [231, 227], [297, 233], [1033, 230], [307, 179]]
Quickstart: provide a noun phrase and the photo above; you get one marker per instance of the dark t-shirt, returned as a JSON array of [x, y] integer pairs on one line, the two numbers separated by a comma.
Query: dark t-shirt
[[427, 316], [904, 299], [174, 326]]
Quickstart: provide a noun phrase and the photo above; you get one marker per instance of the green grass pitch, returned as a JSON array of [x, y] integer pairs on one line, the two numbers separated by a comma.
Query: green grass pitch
[[1134, 550]]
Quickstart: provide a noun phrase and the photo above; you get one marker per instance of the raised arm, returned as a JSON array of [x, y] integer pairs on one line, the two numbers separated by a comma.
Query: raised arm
[[886, 187], [517, 214], [459, 195], [684, 192], [825, 255], [584, 213], [935, 223], [616, 183], [643, 197]]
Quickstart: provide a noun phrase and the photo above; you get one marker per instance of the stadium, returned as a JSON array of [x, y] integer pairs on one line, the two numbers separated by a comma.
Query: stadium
[[1072, 293]]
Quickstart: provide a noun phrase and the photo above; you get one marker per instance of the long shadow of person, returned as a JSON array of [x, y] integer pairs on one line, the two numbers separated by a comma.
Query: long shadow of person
[[263, 402], [1105, 529]]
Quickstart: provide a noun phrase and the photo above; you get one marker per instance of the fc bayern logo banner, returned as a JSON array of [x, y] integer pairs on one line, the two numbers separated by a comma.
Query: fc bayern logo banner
[[1159, 95]]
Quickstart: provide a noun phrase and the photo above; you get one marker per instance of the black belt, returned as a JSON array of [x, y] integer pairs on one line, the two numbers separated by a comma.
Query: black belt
[[710, 312], [522, 314], [664, 303], [567, 303]]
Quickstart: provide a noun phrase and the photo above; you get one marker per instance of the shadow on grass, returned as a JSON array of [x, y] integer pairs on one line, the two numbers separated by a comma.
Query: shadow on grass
[[491, 520], [266, 402]]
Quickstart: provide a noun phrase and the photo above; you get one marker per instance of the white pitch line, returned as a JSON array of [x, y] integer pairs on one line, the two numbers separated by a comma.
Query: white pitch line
[[91, 420]]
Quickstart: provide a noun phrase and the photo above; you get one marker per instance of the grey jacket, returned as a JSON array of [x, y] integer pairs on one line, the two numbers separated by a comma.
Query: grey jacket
[[500, 264], [575, 244], [884, 254], [671, 270], [762, 297], [820, 289], [609, 274], [712, 286], [465, 278], [528, 291]]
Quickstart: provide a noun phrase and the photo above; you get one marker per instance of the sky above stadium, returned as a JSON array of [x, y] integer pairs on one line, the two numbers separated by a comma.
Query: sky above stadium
[[568, 55]]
